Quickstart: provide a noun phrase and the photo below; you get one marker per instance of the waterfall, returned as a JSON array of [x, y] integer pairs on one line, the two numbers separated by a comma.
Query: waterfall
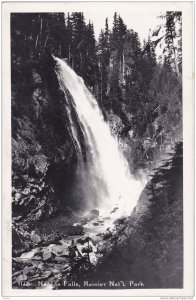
[[103, 178]]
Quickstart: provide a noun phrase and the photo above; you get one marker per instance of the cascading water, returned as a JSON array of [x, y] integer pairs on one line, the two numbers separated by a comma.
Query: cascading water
[[103, 177]]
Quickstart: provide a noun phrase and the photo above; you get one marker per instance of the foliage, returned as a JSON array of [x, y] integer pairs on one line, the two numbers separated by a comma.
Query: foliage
[[144, 93]]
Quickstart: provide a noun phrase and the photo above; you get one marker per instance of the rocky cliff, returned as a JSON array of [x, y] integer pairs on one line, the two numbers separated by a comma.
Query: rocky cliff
[[43, 155]]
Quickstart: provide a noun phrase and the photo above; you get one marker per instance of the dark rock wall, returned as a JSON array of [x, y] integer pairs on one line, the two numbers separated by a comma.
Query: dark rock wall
[[43, 155]]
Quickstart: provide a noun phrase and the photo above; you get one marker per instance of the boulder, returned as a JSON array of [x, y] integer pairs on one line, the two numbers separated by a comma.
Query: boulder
[[94, 212], [46, 255], [21, 278], [84, 221], [38, 253], [56, 271], [114, 210], [96, 224], [46, 274], [28, 255], [35, 238], [84, 240], [59, 250], [60, 259], [26, 270], [51, 239], [77, 224], [36, 257], [87, 249]]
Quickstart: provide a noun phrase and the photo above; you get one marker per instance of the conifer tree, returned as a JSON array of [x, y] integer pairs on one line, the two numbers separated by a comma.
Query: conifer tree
[[148, 63], [104, 60]]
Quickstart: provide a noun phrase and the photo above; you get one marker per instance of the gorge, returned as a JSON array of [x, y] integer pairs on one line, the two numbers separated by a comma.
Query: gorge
[[96, 155]]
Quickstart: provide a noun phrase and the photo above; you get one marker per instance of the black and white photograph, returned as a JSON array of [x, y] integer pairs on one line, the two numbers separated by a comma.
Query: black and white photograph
[[97, 144]]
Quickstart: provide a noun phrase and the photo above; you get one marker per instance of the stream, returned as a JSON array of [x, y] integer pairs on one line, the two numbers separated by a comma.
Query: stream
[[53, 266]]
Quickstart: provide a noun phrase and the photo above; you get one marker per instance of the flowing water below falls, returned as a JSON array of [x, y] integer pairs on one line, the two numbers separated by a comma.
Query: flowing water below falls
[[103, 177]]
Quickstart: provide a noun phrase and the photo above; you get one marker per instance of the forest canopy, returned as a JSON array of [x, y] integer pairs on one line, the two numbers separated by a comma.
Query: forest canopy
[[128, 80]]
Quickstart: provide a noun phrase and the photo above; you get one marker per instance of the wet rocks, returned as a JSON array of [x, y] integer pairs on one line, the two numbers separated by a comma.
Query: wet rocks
[[94, 212], [84, 240], [37, 258], [121, 224], [46, 255], [60, 259], [121, 221], [21, 278], [16, 273], [107, 218], [27, 255], [77, 224], [50, 238], [114, 210], [72, 230], [59, 250], [84, 221], [54, 256], [87, 249], [108, 234], [31, 271], [46, 274], [35, 238], [96, 224]]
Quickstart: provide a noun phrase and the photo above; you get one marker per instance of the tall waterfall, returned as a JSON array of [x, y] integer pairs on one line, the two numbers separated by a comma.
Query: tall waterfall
[[103, 177]]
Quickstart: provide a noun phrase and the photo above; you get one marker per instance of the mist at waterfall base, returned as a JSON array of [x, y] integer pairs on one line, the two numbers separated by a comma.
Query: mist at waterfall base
[[103, 180]]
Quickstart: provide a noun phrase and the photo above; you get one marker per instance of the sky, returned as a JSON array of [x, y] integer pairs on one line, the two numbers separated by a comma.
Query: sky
[[141, 22]]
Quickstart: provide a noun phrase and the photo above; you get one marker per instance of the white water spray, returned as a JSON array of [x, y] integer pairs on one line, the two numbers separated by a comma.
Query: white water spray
[[105, 179]]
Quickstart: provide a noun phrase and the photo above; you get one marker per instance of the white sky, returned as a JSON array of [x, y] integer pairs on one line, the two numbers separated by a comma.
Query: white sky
[[140, 22]]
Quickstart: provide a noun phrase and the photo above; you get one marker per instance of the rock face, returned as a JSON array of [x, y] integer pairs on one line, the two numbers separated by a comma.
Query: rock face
[[43, 154]]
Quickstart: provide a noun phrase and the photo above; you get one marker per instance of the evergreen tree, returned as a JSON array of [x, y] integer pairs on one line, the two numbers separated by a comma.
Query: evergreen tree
[[117, 37], [114, 35], [148, 63], [78, 36], [91, 56], [69, 40], [173, 40], [104, 60]]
